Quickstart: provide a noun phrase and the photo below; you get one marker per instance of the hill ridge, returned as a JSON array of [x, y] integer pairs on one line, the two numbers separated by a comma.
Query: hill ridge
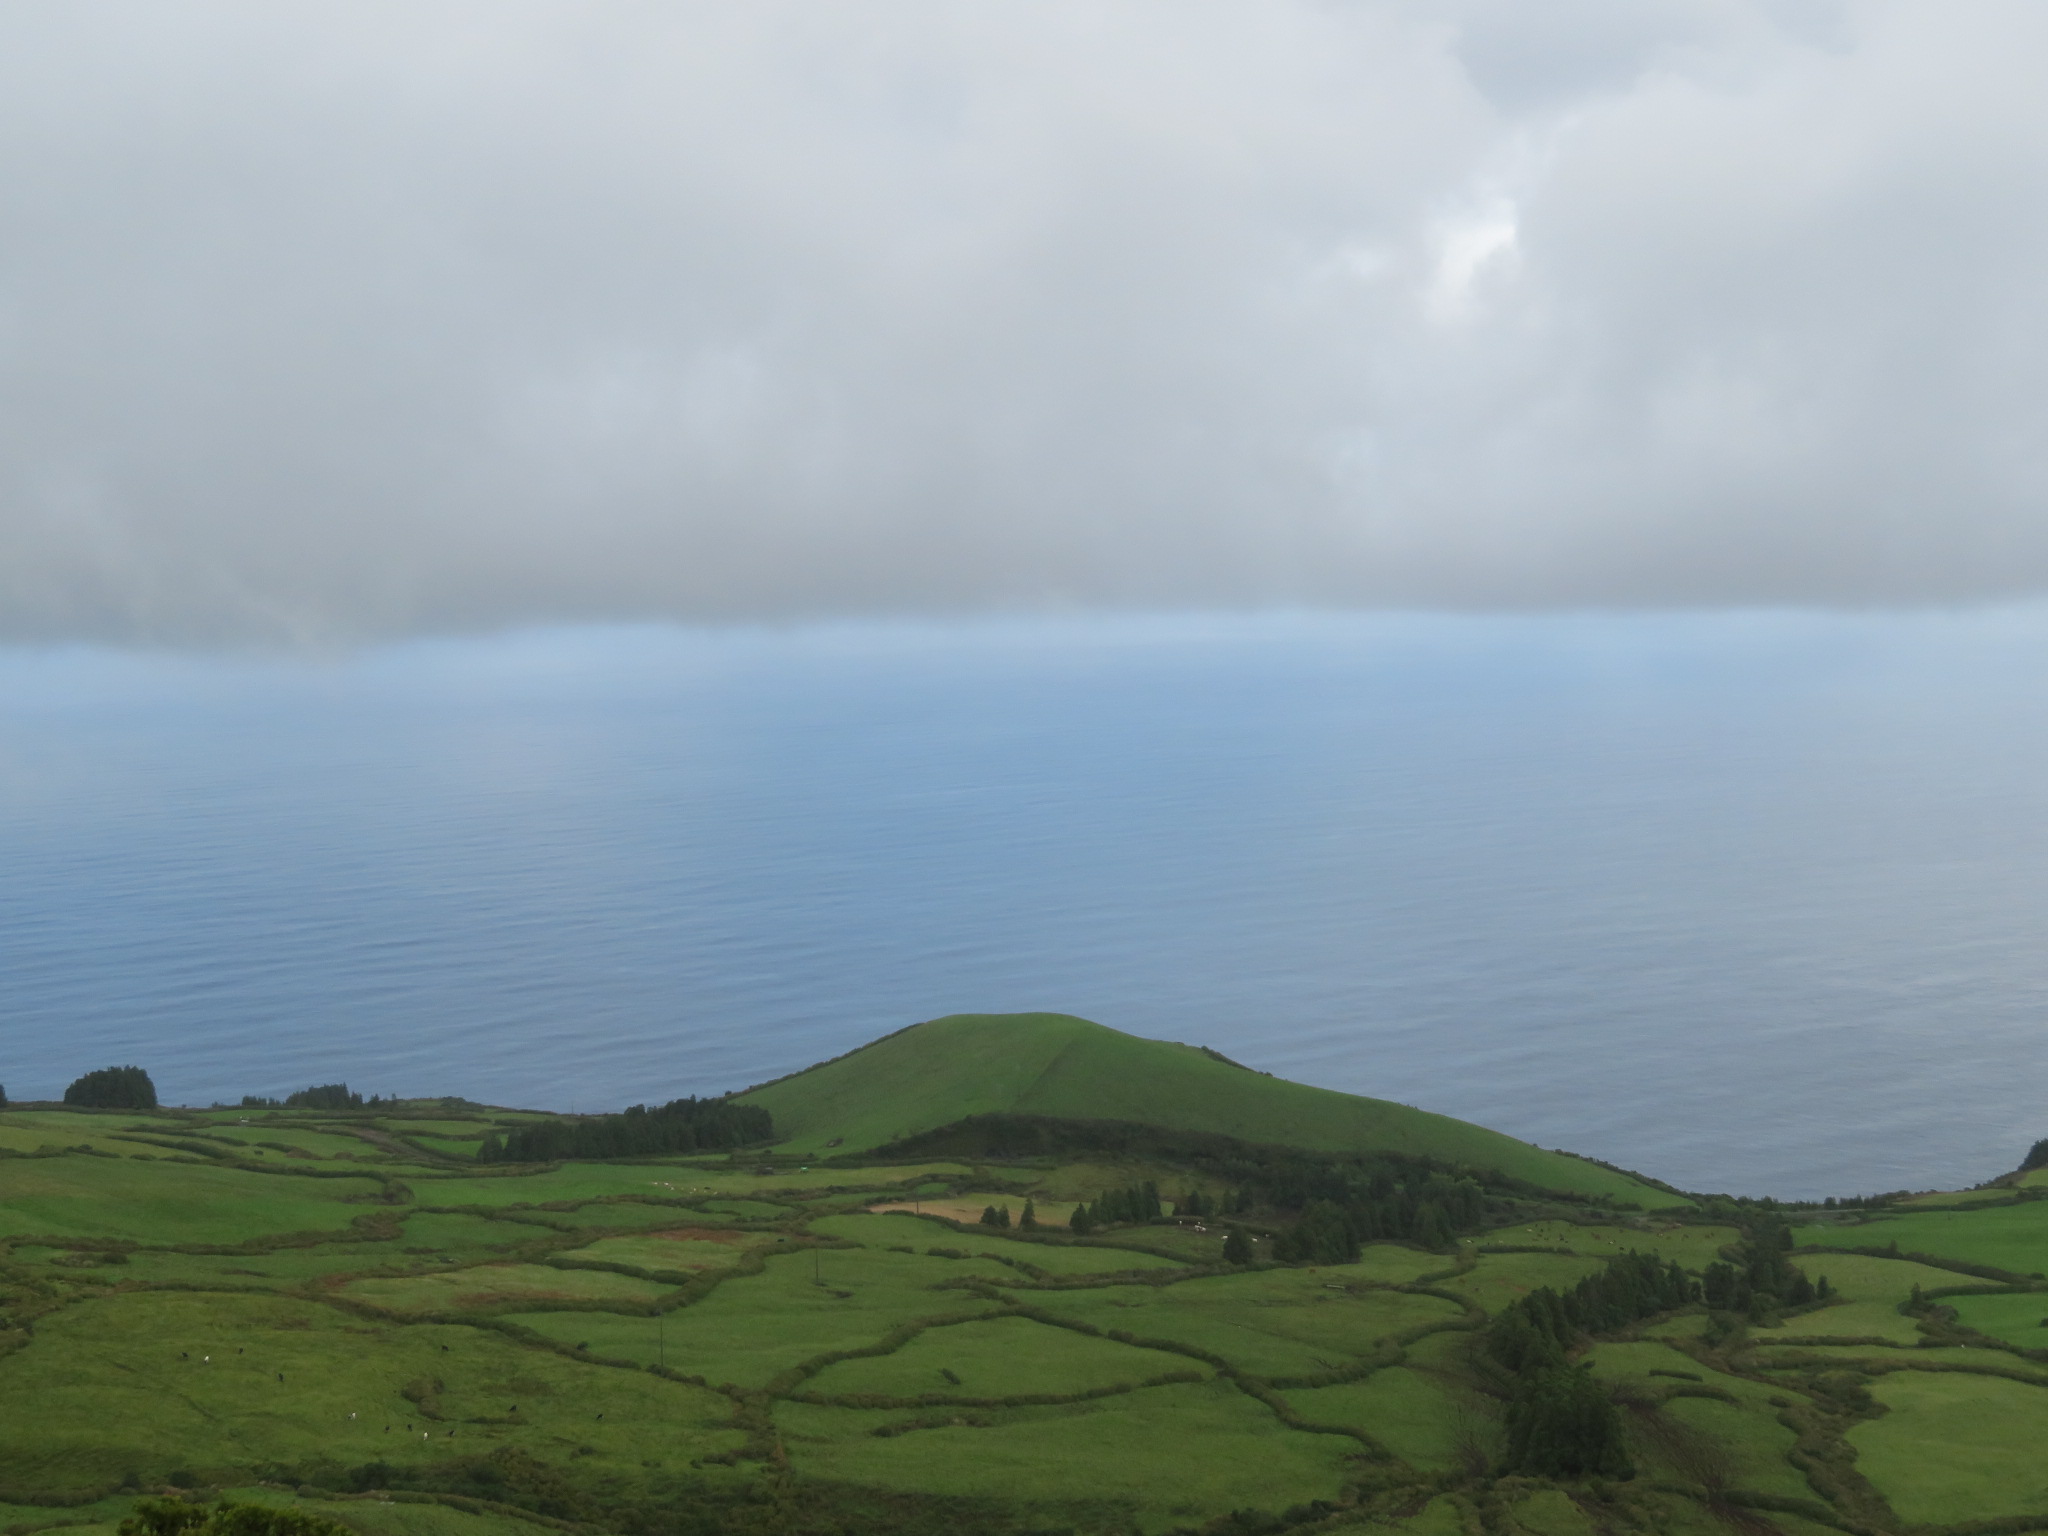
[[943, 1070]]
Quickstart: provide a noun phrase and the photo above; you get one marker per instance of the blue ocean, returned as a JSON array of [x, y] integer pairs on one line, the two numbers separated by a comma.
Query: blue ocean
[[1752, 902]]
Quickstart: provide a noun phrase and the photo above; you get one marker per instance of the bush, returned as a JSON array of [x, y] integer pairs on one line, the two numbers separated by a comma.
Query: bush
[[113, 1088], [174, 1517], [1561, 1424]]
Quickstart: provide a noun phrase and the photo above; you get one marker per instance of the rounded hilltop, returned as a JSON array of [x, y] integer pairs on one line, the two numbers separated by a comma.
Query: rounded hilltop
[[1054, 1064]]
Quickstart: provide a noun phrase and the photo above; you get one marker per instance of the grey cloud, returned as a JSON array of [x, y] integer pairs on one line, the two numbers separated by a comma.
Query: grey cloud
[[328, 322]]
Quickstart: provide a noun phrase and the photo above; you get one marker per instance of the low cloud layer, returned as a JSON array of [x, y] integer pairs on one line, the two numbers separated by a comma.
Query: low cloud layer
[[324, 322]]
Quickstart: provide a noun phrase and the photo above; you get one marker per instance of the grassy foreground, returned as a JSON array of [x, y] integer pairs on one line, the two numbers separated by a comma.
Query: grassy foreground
[[344, 1310]]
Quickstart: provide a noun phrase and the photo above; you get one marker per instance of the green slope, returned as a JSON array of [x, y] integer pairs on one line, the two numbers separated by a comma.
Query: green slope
[[1054, 1064]]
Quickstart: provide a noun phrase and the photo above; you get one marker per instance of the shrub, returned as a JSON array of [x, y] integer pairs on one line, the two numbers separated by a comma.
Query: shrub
[[174, 1517]]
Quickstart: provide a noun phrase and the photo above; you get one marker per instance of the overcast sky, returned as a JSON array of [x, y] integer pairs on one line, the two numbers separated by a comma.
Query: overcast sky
[[326, 321]]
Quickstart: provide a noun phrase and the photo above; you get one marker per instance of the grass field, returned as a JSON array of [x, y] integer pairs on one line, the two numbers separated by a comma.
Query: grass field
[[557, 1343]]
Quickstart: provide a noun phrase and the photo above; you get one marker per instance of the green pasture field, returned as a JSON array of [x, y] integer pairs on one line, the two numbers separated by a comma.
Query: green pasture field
[[119, 1385], [1692, 1246], [319, 1143], [1136, 1448], [500, 1287], [683, 1249], [1855, 1319], [447, 1146], [165, 1202], [1857, 1277], [1956, 1447], [2020, 1319], [999, 1357], [914, 1232], [458, 1129], [1427, 1417], [15, 1137], [2010, 1237], [1054, 1064], [1500, 1278], [591, 1181]]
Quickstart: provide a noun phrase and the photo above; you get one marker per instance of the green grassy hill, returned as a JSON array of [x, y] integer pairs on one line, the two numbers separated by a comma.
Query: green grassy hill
[[1054, 1064]]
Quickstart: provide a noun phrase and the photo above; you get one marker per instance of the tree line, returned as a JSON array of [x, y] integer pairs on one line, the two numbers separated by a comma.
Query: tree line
[[681, 1125], [1335, 1201], [320, 1096]]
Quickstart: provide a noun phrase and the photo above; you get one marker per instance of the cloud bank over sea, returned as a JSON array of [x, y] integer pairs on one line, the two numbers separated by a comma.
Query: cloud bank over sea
[[321, 324]]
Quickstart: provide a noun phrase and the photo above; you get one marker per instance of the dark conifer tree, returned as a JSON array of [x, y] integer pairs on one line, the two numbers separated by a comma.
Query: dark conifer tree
[[1237, 1248], [1028, 1222], [988, 1216]]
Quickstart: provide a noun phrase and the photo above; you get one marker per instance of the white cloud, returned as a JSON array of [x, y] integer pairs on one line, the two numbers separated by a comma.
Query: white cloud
[[336, 321]]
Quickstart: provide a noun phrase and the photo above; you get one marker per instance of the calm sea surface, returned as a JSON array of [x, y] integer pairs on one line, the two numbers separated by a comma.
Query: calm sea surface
[[1751, 902]]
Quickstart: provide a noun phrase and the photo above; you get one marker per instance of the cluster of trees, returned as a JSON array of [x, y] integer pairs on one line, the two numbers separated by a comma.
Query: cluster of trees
[[1140, 1202], [681, 1125], [1430, 1211], [999, 1216], [1765, 1280], [113, 1088], [2037, 1157]]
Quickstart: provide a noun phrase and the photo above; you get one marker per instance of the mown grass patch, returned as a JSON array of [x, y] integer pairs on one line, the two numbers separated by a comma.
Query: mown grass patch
[[120, 1386], [1956, 1447], [500, 1286], [1175, 1455]]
